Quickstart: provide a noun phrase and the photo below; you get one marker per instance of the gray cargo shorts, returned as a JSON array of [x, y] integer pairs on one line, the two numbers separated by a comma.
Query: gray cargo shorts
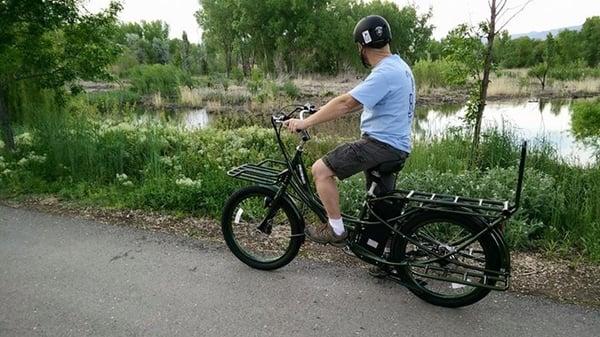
[[362, 155]]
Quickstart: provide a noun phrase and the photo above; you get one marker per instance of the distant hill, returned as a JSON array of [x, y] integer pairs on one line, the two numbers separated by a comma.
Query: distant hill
[[542, 35]]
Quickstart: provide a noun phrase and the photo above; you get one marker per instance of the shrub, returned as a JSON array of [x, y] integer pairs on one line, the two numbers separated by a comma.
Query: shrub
[[436, 74], [113, 101], [158, 166], [158, 78], [290, 89], [585, 119]]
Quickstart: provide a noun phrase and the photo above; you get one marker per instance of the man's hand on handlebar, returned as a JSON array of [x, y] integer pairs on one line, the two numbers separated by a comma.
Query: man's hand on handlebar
[[295, 125]]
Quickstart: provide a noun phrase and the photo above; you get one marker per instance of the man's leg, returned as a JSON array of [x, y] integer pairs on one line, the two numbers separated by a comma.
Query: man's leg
[[327, 189], [332, 232]]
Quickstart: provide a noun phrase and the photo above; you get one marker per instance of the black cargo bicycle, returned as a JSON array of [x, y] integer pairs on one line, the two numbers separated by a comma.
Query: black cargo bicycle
[[448, 250]]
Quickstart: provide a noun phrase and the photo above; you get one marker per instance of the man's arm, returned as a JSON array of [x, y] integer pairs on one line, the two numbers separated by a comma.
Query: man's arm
[[334, 109]]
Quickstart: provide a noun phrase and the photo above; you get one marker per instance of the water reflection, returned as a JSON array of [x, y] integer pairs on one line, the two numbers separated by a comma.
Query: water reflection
[[542, 121], [194, 119], [190, 119]]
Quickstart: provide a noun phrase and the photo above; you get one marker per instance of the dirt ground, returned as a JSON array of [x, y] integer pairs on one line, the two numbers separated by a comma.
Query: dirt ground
[[533, 273]]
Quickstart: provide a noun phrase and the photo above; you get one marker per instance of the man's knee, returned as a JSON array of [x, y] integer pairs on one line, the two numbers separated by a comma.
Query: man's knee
[[321, 171]]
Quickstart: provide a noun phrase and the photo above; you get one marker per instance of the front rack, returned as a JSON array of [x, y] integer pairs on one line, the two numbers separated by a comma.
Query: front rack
[[267, 172]]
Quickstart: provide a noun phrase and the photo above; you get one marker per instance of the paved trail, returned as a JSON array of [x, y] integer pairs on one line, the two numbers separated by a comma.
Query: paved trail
[[61, 276]]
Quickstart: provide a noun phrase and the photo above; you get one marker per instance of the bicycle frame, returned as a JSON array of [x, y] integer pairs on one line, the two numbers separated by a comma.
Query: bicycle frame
[[292, 174]]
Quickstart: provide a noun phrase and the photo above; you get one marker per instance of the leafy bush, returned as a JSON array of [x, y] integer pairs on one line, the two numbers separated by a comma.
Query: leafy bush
[[435, 74], [158, 78], [263, 88], [574, 71], [290, 89], [113, 101], [157, 166], [585, 119]]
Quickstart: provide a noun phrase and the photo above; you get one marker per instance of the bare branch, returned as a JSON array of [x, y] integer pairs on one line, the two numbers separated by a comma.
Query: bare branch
[[514, 15], [500, 7], [508, 10]]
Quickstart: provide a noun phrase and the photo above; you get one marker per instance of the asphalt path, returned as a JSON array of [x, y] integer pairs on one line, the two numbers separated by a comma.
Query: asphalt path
[[61, 276]]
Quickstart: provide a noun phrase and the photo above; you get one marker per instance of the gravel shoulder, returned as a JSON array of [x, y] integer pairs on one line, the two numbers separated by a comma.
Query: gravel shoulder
[[569, 281]]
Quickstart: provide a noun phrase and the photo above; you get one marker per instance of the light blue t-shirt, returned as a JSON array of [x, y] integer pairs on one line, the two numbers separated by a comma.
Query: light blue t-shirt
[[388, 98]]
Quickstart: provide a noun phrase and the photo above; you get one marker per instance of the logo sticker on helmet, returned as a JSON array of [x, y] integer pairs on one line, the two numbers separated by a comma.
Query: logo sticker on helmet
[[378, 31], [366, 36]]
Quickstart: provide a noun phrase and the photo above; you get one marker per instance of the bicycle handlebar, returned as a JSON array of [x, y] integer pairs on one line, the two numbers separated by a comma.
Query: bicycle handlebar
[[302, 110]]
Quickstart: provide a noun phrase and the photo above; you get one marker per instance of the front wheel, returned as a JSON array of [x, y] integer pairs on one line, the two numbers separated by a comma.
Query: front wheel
[[271, 246], [443, 233]]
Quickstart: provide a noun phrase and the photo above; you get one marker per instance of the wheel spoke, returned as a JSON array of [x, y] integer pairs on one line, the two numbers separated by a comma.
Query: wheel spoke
[[252, 241], [433, 275]]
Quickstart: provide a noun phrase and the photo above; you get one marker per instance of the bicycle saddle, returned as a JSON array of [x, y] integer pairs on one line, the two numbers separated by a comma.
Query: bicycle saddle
[[388, 167]]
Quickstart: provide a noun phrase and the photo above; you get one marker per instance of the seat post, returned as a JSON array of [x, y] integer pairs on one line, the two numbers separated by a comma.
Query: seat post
[[376, 175], [371, 191]]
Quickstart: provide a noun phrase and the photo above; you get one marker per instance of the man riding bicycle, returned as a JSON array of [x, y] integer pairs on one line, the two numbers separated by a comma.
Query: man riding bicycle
[[388, 98]]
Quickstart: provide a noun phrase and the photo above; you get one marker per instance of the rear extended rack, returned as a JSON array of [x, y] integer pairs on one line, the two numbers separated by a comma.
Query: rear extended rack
[[484, 207], [425, 198], [267, 172]]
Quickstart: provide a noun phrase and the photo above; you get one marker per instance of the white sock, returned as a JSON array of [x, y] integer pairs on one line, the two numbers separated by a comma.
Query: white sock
[[337, 225]]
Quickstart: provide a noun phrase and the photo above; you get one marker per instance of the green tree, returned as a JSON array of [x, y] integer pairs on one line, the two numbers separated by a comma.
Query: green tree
[[464, 44], [502, 52], [185, 53], [585, 122], [218, 20], [411, 33], [590, 33], [549, 57], [53, 43], [311, 35], [569, 47]]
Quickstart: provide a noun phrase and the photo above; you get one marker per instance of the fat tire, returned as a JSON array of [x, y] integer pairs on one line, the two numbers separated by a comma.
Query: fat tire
[[295, 224], [473, 225]]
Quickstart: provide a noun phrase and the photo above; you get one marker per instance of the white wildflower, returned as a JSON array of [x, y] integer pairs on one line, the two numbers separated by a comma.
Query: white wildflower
[[122, 177], [22, 162], [188, 182], [6, 172], [167, 161], [36, 158], [1, 145], [24, 139], [123, 126]]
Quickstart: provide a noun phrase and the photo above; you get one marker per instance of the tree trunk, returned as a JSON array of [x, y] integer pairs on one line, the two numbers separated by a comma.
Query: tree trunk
[[544, 79], [228, 59], [487, 67], [7, 133]]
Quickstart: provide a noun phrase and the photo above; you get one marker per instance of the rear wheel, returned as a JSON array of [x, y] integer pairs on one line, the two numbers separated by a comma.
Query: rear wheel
[[270, 247], [443, 233]]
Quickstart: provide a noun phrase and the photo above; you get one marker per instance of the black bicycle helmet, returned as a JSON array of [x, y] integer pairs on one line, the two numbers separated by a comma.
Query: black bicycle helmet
[[372, 31]]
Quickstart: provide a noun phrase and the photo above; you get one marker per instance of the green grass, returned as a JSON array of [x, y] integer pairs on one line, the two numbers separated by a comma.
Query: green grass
[[162, 167]]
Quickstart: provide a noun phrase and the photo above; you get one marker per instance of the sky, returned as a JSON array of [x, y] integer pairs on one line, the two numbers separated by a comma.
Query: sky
[[539, 15]]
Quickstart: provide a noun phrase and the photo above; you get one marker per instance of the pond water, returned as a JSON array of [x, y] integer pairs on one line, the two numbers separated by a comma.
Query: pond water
[[536, 122], [539, 121]]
